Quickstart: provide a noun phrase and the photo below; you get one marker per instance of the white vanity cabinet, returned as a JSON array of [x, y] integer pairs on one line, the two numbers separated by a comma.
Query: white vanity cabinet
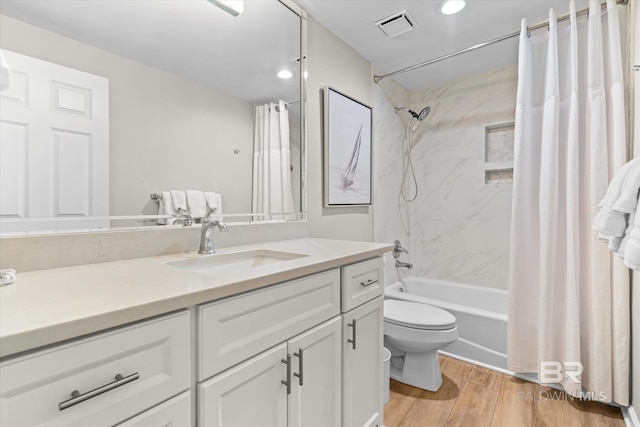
[[302, 353], [362, 341], [101, 380], [293, 332], [295, 384]]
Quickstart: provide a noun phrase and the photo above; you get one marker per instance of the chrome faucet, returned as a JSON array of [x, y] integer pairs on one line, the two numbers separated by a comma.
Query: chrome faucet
[[183, 218], [206, 236], [397, 251]]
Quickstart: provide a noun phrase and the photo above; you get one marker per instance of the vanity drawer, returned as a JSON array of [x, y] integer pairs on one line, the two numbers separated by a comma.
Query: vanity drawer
[[174, 412], [235, 329], [151, 361], [361, 282]]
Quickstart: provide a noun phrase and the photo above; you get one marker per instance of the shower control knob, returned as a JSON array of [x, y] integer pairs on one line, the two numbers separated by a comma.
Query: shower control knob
[[398, 249]]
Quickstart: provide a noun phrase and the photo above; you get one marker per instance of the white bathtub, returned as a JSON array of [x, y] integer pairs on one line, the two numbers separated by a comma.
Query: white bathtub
[[480, 312]]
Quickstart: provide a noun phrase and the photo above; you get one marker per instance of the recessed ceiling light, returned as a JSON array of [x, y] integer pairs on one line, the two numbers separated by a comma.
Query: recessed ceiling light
[[449, 7], [285, 74]]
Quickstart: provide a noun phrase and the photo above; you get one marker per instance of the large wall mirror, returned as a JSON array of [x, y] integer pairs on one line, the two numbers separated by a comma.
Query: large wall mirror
[[118, 113]]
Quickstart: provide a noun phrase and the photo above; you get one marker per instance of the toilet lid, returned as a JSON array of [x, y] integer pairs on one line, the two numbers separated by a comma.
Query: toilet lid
[[417, 315]]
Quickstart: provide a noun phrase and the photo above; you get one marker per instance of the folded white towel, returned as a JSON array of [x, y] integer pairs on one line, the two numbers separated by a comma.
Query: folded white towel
[[179, 199], [196, 203], [628, 198], [609, 221], [165, 207], [214, 201], [622, 244]]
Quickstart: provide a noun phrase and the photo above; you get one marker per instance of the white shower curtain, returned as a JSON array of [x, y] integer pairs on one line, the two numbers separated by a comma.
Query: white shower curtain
[[272, 191], [569, 298]]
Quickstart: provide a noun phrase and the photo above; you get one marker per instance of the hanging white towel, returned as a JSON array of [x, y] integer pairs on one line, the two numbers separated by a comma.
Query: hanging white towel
[[165, 207], [611, 220], [179, 199], [214, 201], [628, 199], [196, 203], [619, 244]]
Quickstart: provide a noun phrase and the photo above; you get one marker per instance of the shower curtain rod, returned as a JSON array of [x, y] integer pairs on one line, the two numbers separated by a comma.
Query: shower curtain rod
[[581, 12]]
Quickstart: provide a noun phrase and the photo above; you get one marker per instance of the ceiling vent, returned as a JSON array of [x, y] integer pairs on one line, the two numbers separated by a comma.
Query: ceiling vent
[[397, 24]]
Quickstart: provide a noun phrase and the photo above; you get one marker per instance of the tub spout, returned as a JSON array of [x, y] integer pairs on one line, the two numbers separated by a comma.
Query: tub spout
[[407, 265]]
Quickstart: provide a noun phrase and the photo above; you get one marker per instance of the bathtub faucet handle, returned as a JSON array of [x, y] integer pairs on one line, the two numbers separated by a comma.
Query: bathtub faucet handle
[[398, 249]]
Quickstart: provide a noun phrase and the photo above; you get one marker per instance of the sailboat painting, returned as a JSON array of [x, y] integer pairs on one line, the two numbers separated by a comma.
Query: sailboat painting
[[347, 150]]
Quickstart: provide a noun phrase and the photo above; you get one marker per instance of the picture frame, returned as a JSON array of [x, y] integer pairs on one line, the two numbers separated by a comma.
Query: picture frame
[[347, 150]]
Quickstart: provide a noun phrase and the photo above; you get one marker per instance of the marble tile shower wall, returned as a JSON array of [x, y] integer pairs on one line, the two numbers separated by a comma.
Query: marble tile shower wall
[[459, 226], [388, 213]]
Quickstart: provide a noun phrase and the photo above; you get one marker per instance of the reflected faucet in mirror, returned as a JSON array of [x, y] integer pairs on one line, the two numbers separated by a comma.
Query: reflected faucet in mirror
[[183, 218], [206, 236]]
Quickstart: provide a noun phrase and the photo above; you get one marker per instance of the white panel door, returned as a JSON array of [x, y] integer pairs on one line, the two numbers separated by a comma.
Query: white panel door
[[362, 334], [315, 399], [54, 144], [250, 394]]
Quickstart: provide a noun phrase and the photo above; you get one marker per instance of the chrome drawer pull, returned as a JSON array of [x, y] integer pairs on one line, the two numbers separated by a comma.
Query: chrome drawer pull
[[287, 362], [300, 355], [369, 282], [76, 397], [353, 341]]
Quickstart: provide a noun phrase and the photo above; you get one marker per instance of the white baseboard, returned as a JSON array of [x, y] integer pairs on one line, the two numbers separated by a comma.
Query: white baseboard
[[630, 416]]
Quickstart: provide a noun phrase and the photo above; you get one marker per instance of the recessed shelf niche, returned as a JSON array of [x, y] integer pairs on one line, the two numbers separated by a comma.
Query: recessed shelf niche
[[498, 157]]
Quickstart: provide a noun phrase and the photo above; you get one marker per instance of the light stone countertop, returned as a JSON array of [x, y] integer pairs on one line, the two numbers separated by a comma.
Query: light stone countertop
[[48, 306]]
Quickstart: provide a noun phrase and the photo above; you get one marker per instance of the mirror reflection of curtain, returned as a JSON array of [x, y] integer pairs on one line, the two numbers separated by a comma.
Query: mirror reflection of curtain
[[272, 160]]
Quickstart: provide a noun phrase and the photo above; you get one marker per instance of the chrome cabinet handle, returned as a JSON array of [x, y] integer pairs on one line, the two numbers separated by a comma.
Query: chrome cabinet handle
[[300, 356], [287, 382], [368, 283], [76, 397], [353, 341]]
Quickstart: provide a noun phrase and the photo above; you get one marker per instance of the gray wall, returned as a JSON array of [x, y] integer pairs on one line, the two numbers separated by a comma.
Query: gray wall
[[333, 63]]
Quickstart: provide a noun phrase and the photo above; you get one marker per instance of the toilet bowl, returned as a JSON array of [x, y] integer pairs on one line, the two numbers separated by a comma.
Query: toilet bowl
[[414, 333]]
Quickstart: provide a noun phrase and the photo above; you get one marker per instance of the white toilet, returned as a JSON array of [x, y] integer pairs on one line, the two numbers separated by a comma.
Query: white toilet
[[414, 333]]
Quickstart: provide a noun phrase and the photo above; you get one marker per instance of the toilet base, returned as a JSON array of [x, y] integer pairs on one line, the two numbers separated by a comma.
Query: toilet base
[[420, 370]]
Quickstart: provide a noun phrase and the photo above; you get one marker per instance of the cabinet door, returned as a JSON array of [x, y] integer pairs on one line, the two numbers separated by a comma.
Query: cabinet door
[[362, 331], [250, 394], [315, 398]]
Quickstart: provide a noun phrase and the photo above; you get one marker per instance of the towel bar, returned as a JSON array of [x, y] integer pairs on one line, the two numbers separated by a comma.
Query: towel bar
[[156, 196]]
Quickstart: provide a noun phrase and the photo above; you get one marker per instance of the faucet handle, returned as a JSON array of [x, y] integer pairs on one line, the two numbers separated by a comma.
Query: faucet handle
[[183, 217], [398, 249]]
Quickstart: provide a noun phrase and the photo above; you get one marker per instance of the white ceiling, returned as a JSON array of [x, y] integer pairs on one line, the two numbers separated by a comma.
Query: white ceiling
[[435, 35]]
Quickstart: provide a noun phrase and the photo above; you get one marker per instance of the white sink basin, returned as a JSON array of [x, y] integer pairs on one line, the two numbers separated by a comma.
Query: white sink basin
[[236, 261]]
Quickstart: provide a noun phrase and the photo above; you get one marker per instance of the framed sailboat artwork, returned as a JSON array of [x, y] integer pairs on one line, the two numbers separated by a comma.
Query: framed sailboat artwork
[[347, 150]]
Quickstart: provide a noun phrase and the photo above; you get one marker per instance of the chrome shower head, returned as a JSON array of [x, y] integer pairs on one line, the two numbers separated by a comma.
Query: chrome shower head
[[424, 113], [420, 116]]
